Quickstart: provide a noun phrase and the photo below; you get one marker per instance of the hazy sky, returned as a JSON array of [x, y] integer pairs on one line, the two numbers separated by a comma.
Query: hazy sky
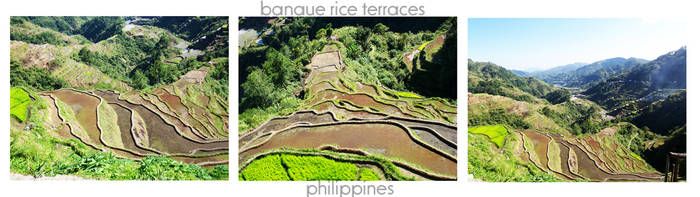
[[537, 44]]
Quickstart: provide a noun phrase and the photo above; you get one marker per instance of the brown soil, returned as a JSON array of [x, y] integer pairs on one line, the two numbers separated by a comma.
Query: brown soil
[[124, 122], [85, 108], [564, 155], [448, 132], [378, 138], [433, 140], [540, 143], [161, 135]]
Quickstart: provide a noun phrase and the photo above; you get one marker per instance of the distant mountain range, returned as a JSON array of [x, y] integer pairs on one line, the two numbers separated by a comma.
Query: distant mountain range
[[487, 77], [582, 74], [667, 72], [558, 70]]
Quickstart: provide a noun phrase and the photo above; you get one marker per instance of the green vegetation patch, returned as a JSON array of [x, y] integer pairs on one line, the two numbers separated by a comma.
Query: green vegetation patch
[[311, 168], [367, 174], [496, 133], [19, 101], [268, 168], [488, 165], [284, 167]]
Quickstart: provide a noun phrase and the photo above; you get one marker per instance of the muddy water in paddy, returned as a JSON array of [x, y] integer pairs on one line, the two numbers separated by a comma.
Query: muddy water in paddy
[[329, 106], [539, 141], [450, 133], [161, 135], [433, 140], [124, 122], [174, 102], [564, 155], [378, 138], [277, 124], [588, 168], [112, 97], [361, 100], [85, 108], [299, 117]]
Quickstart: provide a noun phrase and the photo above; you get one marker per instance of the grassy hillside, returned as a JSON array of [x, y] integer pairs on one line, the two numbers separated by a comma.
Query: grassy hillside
[[105, 98], [486, 77]]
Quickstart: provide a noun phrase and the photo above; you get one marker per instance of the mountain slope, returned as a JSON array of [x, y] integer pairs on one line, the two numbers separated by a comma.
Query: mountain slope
[[665, 72], [558, 70], [486, 77], [590, 73], [663, 116]]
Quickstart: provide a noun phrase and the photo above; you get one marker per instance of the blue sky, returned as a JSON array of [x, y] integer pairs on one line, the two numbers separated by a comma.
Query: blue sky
[[537, 44]]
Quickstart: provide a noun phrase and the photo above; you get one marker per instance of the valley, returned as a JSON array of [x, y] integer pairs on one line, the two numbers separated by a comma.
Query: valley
[[579, 122]]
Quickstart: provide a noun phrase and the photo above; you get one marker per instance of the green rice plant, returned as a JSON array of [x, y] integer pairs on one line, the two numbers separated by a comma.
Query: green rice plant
[[367, 174], [19, 101], [311, 168], [268, 168], [496, 133]]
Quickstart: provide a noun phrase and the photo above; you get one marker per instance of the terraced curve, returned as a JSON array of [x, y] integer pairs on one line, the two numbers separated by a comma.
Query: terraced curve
[[345, 120], [135, 125], [572, 158]]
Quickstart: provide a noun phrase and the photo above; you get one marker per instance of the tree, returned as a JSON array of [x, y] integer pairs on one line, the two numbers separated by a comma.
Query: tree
[[258, 89], [320, 33], [140, 81], [100, 28], [380, 28], [280, 69], [558, 96], [329, 29]]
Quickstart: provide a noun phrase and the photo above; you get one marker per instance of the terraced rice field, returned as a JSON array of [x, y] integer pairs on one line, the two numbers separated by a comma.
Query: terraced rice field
[[345, 121], [134, 125], [496, 133], [572, 158]]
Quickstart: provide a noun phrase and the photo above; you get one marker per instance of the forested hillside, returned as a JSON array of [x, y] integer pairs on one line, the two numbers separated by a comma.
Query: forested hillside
[[665, 72], [486, 77], [270, 71]]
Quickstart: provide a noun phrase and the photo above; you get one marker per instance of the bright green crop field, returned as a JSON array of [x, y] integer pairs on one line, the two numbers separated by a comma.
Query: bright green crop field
[[19, 101], [496, 133]]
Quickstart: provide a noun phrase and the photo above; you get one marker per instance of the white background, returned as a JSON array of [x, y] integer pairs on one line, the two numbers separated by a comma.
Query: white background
[[464, 9]]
